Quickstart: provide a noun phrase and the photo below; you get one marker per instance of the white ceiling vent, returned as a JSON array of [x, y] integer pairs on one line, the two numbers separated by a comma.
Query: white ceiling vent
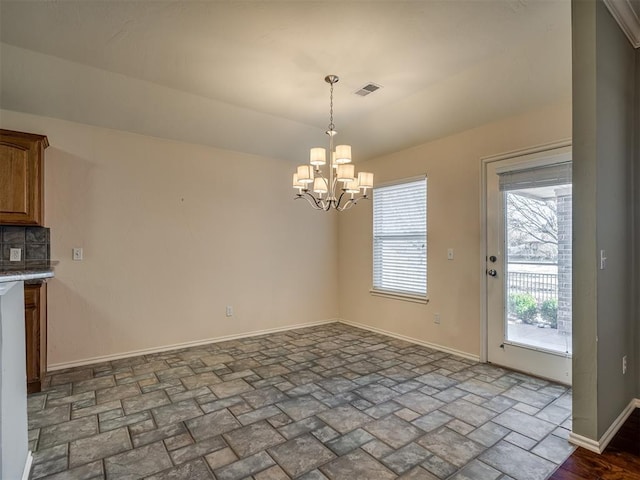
[[367, 89]]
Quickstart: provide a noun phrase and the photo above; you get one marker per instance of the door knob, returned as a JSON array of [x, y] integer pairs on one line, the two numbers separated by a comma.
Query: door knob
[[492, 272]]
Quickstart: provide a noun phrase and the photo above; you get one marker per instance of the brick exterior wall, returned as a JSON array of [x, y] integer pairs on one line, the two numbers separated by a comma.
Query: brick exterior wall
[[564, 210]]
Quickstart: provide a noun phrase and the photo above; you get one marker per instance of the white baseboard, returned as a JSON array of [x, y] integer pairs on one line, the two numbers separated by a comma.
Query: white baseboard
[[585, 442], [165, 348], [27, 466], [434, 346], [600, 445]]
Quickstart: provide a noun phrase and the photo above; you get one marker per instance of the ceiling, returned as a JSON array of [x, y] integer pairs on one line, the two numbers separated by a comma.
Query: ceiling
[[248, 75]]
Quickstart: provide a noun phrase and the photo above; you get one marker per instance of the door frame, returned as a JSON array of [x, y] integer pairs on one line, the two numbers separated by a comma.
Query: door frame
[[533, 151]]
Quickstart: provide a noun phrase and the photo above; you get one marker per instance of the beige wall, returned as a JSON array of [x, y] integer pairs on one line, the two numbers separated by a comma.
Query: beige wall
[[169, 240], [172, 233], [452, 165]]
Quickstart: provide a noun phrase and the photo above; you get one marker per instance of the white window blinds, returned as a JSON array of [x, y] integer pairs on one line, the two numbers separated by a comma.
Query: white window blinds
[[400, 238], [546, 176]]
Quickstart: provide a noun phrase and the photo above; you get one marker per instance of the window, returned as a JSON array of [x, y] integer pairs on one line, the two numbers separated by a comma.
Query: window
[[400, 240]]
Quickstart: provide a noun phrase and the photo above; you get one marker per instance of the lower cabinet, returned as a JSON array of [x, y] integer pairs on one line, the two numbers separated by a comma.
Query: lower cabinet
[[35, 322]]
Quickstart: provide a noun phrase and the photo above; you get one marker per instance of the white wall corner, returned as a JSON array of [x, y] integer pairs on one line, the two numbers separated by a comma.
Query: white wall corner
[[600, 445], [27, 466], [416, 341], [627, 18]]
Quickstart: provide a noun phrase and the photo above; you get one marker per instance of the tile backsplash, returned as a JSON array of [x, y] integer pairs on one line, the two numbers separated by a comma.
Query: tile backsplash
[[33, 243]]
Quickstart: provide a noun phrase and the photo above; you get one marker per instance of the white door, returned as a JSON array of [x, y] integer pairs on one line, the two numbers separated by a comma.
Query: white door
[[528, 263]]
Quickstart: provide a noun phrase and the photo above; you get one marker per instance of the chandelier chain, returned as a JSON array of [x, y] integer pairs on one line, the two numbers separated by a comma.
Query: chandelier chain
[[331, 125]]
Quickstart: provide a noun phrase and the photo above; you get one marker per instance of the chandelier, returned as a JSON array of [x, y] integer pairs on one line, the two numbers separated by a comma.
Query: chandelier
[[328, 190]]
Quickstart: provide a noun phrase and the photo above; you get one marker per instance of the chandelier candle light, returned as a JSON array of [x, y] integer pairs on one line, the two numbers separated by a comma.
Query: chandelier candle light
[[320, 190]]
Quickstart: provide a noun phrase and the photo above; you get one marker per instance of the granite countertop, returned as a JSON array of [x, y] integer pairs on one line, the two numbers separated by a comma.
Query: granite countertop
[[27, 271]]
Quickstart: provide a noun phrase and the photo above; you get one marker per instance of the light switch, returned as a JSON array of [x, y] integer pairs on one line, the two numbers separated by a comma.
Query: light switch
[[77, 254], [450, 254]]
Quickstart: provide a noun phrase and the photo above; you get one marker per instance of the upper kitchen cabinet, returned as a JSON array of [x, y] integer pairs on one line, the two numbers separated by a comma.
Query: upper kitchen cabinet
[[22, 178]]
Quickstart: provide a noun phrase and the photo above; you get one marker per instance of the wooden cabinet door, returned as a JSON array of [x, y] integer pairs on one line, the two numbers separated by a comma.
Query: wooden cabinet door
[[21, 178], [35, 323]]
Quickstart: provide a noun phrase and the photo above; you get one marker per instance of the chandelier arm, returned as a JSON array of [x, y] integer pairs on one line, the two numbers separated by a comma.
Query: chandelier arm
[[346, 206], [313, 201], [334, 185], [316, 200], [322, 204], [327, 183], [352, 202], [361, 197], [319, 174]]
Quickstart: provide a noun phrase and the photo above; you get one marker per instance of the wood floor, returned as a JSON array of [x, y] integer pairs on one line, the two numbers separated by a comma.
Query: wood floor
[[620, 461]]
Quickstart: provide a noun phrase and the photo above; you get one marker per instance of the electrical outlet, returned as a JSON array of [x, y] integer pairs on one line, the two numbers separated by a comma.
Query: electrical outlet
[[624, 364], [77, 254], [436, 318], [229, 311], [450, 254], [15, 254]]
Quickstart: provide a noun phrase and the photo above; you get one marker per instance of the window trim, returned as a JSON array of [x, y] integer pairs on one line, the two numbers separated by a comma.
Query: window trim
[[407, 297], [400, 181]]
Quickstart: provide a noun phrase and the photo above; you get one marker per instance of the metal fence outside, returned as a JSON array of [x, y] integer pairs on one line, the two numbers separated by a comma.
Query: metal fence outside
[[542, 286]]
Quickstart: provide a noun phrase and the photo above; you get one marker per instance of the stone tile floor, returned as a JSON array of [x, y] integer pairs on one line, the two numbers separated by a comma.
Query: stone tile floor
[[323, 402]]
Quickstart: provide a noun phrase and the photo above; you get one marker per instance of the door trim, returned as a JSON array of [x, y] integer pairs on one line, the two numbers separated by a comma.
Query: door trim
[[484, 326]]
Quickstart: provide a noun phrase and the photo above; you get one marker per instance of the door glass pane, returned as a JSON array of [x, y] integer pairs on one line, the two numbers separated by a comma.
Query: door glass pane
[[538, 263]]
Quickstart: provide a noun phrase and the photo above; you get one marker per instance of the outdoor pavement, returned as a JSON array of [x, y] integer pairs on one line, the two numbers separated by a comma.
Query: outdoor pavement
[[547, 338]]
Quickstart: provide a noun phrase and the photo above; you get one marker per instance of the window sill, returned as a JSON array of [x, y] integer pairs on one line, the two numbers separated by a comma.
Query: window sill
[[407, 297]]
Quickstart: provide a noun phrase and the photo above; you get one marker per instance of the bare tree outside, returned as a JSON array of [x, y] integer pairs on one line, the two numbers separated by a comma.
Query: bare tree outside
[[536, 225], [533, 228]]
